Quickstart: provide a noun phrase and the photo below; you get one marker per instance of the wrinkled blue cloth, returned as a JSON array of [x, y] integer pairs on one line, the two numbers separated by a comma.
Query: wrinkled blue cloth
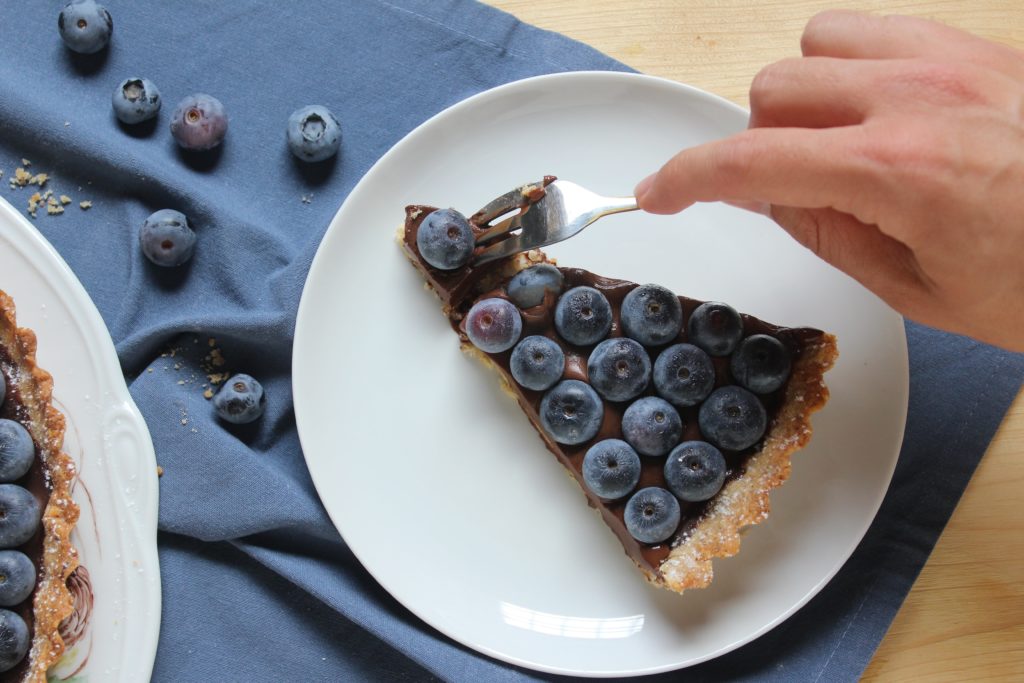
[[257, 584]]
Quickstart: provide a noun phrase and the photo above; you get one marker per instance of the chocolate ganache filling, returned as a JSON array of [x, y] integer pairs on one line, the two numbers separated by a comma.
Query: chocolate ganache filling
[[459, 289]]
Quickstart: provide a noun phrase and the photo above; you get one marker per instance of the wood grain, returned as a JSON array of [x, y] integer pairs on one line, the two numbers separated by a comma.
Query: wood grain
[[964, 618]]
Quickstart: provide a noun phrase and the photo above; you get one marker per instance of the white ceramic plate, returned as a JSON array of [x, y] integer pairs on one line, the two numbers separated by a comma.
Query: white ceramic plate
[[433, 475], [109, 442]]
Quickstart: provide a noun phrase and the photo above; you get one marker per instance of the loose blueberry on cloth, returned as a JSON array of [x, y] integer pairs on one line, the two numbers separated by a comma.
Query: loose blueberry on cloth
[[257, 585]]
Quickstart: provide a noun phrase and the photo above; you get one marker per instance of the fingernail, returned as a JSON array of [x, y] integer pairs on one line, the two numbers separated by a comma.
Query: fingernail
[[763, 208], [643, 187]]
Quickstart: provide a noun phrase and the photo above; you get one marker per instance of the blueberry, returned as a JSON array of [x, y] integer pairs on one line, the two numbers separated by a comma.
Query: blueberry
[[537, 363], [619, 369], [14, 639], [583, 316], [652, 315], [695, 471], [732, 418], [571, 412], [19, 515], [445, 239], [683, 375], [136, 100], [494, 325], [652, 515], [313, 133], [240, 400], [528, 287], [17, 577], [166, 238], [611, 468], [17, 452], [715, 327], [761, 363], [199, 122], [652, 426], [85, 26]]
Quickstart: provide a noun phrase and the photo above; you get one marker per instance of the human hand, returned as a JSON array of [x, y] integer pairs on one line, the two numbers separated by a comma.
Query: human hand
[[893, 149]]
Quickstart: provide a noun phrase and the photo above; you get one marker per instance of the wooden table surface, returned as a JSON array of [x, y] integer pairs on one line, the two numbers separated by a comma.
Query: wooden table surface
[[964, 618]]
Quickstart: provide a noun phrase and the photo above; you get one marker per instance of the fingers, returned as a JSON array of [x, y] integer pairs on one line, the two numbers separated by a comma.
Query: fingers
[[819, 92], [812, 92], [854, 35], [786, 166], [882, 264]]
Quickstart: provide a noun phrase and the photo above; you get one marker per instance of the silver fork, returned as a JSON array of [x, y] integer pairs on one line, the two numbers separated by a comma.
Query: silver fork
[[546, 212]]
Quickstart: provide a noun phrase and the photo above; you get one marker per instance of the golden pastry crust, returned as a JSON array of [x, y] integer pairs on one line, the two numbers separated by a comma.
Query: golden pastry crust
[[53, 601], [743, 501]]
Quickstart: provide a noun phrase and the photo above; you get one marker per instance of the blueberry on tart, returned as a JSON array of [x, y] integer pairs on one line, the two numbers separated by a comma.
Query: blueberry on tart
[[677, 417], [37, 513]]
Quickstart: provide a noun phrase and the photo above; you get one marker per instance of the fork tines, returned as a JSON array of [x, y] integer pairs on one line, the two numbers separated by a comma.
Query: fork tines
[[518, 200]]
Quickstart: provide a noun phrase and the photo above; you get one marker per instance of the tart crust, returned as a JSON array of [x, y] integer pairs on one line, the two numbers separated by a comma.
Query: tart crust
[[52, 602], [744, 500]]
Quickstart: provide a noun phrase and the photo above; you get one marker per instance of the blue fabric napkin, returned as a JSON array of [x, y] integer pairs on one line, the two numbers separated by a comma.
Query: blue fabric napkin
[[257, 584]]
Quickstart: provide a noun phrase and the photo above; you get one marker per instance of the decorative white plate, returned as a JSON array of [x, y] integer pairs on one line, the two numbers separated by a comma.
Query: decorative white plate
[[109, 442], [434, 476]]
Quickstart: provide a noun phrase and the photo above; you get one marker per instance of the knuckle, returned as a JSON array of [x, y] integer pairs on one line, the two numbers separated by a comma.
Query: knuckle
[[733, 162], [817, 28], [762, 84], [944, 83], [896, 146], [772, 77], [915, 161]]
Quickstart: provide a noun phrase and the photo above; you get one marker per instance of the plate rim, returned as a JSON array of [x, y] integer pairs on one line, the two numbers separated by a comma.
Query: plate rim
[[302, 324], [120, 409]]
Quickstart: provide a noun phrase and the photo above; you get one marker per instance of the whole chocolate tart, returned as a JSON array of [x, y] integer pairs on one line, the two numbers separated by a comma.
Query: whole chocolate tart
[[681, 557], [27, 400]]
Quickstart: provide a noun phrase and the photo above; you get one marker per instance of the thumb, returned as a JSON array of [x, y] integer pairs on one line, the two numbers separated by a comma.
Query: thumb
[[881, 263]]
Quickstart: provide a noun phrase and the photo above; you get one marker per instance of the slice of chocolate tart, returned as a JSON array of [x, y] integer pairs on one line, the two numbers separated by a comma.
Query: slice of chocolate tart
[[677, 417], [37, 513]]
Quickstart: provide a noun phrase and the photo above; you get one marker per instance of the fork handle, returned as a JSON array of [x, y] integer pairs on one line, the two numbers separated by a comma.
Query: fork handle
[[616, 205]]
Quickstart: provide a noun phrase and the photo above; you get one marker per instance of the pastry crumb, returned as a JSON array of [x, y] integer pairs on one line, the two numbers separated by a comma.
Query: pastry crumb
[[54, 204], [217, 378], [208, 394], [159, 471], [33, 203], [20, 178], [85, 205]]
